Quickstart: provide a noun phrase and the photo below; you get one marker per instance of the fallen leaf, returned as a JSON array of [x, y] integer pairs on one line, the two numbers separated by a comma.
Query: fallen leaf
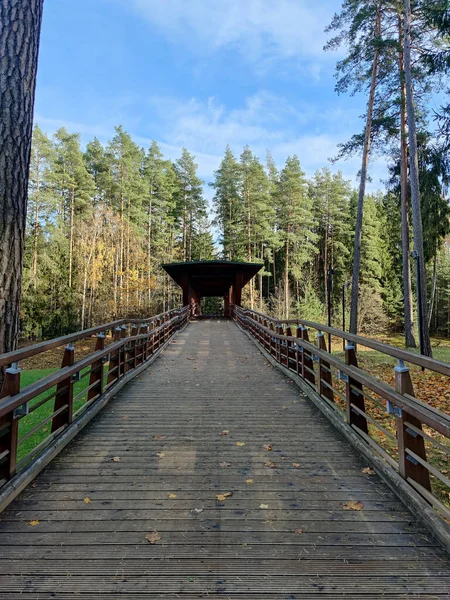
[[222, 497], [296, 465], [116, 459], [33, 523], [87, 500], [224, 465], [160, 437], [263, 506], [240, 443], [197, 511], [153, 537], [224, 432], [267, 447], [270, 464], [368, 471], [124, 418], [160, 454], [298, 531], [249, 481], [172, 496], [353, 505]]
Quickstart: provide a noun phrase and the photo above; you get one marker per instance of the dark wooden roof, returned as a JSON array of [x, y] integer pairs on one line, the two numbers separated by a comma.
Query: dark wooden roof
[[212, 277]]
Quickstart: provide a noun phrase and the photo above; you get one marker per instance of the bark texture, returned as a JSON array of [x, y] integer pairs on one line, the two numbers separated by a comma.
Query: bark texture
[[362, 184], [425, 342], [410, 341], [20, 25]]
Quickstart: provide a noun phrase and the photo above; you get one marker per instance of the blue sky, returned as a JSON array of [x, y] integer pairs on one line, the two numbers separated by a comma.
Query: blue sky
[[199, 74]]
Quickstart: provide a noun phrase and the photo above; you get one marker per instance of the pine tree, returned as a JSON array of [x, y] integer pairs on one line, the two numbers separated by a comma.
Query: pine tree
[[191, 205], [41, 203], [19, 40], [295, 223], [331, 201], [228, 205]]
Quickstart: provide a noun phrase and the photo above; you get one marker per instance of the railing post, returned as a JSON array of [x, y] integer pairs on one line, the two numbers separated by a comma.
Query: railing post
[[123, 351], [266, 336], [299, 352], [408, 439], [279, 331], [324, 371], [288, 347], [132, 351], [144, 343], [64, 392], [354, 392], [114, 360], [308, 363], [97, 371], [9, 425], [273, 348]]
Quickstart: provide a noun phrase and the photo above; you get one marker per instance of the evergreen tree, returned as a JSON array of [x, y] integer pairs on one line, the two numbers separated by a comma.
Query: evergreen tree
[[295, 223], [191, 206], [228, 206]]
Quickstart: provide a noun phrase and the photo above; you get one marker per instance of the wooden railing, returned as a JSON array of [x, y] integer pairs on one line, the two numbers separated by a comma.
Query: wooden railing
[[407, 433], [56, 401]]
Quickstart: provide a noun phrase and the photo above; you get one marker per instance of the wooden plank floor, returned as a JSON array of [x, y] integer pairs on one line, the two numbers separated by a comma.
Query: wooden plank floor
[[282, 535]]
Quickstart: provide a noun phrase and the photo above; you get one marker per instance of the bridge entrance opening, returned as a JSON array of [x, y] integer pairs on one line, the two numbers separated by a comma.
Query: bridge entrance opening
[[212, 306], [212, 279]]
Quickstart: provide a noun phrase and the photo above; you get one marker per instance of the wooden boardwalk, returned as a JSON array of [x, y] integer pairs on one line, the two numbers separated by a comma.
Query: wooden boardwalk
[[154, 461]]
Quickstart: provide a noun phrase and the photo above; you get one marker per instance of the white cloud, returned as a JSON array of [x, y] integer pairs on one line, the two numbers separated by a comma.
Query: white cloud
[[265, 121], [259, 29]]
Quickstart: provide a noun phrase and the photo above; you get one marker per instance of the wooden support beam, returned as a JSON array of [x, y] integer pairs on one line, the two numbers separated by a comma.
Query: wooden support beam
[[325, 376], [354, 393], [407, 438], [9, 425], [308, 363], [64, 393], [96, 375]]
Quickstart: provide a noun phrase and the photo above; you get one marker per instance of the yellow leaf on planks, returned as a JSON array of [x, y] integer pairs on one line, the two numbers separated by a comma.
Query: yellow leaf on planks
[[222, 497], [153, 537], [353, 505]]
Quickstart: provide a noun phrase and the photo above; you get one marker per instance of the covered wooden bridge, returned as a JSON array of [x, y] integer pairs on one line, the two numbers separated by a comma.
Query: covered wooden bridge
[[233, 458]]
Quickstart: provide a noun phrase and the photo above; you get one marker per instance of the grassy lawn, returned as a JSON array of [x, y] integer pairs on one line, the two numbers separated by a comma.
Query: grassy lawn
[[39, 415]]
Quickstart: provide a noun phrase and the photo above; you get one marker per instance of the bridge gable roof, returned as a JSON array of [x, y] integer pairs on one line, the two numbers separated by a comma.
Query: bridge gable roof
[[211, 277]]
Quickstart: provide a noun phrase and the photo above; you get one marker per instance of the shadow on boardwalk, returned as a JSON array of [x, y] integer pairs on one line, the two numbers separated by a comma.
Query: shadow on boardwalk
[[199, 423]]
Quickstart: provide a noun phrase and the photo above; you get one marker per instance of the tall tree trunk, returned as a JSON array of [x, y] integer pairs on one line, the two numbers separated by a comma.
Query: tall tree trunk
[[415, 191], [36, 223], [20, 26], [185, 228], [190, 234], [122, 246], [286, 279], [149, 250], [433, 290], [410, 342], [362, 183], [71, 225]]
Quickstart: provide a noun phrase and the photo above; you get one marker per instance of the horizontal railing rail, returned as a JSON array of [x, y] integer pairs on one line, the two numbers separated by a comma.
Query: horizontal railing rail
[[32, 416], [406, 432], [416, 359]]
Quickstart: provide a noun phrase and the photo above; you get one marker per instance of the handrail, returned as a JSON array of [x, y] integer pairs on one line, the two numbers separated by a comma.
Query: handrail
[[405, 355], [105, 367], [356, 396], [22, 353]]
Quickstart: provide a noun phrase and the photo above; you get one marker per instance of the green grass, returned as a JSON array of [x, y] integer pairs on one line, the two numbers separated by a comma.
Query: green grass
[[36, 417]]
